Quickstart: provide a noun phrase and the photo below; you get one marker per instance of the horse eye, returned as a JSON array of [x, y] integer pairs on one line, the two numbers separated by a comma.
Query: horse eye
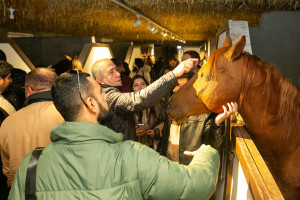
[[201, 75]]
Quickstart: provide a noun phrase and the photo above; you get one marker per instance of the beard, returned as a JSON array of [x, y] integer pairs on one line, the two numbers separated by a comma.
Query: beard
[[102, 114]]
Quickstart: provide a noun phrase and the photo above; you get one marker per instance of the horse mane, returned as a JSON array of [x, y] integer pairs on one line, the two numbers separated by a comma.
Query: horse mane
[[288, 113]]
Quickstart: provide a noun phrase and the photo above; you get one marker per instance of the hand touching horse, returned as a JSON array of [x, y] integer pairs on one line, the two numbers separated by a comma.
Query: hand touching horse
[[268, 102]]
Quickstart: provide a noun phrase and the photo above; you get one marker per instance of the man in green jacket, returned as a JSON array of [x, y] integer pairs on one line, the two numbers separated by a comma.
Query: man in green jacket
[[89, 161]]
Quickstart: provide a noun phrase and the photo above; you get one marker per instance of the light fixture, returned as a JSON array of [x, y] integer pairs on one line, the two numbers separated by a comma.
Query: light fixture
[[138, 21], [11, 10], [164, 34], [151, 28], [155, 30], [165, 31]]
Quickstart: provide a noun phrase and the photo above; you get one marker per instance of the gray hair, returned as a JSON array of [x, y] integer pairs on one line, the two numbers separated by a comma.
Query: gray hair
[[97, 68], [40, 78]]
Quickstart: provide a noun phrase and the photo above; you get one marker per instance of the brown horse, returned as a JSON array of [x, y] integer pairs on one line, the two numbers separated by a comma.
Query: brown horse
[[268, 103]]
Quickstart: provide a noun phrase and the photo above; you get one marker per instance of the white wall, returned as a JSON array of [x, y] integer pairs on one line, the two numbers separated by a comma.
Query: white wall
[[239, 189], [13, 57], [91, 53], [133, 53]]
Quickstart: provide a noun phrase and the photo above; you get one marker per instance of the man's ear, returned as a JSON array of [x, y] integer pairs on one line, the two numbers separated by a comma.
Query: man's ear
[[92, 104], [98, 80], [28, 92]]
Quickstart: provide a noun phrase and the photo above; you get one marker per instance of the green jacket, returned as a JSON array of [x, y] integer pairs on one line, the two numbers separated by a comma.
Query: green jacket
[[89, 161]]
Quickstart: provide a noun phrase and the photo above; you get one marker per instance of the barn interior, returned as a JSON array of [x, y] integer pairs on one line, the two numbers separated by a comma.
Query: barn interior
[[43, 32], [46, 30]]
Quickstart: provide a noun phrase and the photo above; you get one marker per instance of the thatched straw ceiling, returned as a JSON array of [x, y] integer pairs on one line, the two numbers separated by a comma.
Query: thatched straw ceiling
[[193, 20]]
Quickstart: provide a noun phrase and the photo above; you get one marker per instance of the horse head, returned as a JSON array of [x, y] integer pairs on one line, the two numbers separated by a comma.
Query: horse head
[[268, 102], [219, 81]]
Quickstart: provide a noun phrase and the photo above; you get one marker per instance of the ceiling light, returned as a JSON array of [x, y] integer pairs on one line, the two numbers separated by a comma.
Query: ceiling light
[[155, 30], [164, 34], [11, 10], [138, 21], [151, 28]]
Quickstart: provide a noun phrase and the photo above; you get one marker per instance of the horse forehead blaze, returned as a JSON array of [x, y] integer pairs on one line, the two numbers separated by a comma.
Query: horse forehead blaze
[[209, 89]]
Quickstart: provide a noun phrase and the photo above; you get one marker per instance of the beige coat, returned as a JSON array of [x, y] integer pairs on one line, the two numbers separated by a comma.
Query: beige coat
[[25, 130], [145, 72]]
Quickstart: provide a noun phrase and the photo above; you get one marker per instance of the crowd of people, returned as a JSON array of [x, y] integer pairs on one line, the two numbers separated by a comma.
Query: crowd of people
[[106, 134]]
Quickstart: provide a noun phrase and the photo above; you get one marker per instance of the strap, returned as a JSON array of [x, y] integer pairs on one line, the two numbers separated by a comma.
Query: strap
[[31, 174]]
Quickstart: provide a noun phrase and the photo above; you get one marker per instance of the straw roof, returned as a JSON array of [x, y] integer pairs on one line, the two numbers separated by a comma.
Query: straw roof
[[193, 20]]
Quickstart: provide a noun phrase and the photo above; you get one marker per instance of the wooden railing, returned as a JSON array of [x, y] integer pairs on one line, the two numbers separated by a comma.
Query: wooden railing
[[257, 175]]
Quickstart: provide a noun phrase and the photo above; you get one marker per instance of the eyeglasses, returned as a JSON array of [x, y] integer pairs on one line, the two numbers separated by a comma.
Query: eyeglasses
[[76, 71]]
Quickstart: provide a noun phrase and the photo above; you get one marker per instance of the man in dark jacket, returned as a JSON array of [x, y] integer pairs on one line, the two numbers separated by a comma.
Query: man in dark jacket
[[207, 128], [158, 66], [172, 62], [122, 105]]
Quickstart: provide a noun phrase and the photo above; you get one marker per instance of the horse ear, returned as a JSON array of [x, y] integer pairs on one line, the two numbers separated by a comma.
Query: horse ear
[[227, 42], [68, 58], [236, 50]]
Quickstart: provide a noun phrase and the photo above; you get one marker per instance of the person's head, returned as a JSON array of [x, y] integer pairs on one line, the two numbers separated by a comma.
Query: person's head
[[105, 72], [119, 65], [62, 66], [18, 77], [139, 63], [78, 97], [39, 80], [191, 54], [138, 83], [144, 57], [116, 61], [5, 73], [126, 67], [150, 59], [182, 80], [2, 55], [172, 62]]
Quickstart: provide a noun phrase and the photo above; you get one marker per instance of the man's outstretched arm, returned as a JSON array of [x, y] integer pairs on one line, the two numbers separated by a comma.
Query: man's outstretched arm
[[163, 179]]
